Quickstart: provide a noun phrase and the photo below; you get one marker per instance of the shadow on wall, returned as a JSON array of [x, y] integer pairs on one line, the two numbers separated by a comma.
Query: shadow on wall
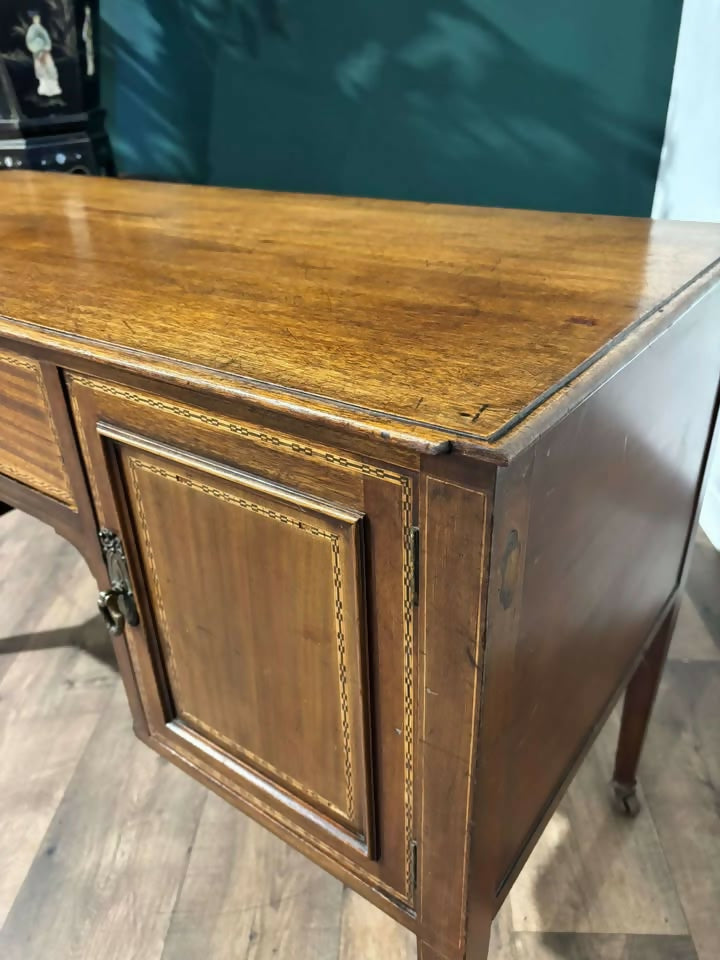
[[466, 101], [158, 80]]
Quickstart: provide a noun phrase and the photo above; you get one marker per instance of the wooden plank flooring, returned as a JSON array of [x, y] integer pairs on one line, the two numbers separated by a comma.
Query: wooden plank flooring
[[106, 851]]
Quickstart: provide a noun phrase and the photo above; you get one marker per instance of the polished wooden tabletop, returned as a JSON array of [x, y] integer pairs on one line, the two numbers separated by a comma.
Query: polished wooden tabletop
[[458, 319]]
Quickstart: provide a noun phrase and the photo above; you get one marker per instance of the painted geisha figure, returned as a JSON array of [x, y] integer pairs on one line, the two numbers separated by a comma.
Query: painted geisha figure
[[87, 35], [38, 42]]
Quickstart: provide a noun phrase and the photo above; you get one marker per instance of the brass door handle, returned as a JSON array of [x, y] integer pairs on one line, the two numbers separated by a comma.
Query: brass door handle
[[108, 604], [117, 607]]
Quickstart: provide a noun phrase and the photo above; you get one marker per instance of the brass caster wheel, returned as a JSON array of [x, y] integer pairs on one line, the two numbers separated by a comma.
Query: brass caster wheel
[[625, 799]]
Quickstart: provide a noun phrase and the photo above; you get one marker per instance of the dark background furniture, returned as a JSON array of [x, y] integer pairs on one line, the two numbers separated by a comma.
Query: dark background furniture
[[50, 113]]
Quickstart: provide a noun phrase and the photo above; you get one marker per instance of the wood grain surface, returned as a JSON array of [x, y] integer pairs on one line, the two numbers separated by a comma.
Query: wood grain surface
[[438, 322], [276, 626], [611, 499], [29, 444], [253, 653]]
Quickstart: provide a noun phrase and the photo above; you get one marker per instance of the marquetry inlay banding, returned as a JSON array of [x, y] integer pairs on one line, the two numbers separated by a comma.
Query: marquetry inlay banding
[[337, 585], [316, 452], [53, 479]]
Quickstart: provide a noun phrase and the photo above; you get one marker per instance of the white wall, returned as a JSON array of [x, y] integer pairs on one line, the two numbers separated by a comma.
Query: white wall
[[710, 516], [688, 185]]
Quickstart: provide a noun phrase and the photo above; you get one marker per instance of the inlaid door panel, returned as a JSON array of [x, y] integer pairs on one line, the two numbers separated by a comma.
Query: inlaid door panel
[[275, 652], [257, 595]]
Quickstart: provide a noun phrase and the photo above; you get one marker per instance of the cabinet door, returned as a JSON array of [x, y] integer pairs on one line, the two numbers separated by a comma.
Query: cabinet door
[[259, 640]]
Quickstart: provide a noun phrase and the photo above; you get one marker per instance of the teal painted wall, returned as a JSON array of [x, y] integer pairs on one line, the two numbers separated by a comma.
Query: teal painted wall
[[556, 105]]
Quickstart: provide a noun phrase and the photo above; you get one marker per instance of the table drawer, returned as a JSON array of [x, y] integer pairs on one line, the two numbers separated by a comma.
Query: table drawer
[[29, 446]]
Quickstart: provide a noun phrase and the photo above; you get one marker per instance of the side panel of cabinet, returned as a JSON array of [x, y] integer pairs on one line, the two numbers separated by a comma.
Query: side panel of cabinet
[[276, 646], [591, 539]]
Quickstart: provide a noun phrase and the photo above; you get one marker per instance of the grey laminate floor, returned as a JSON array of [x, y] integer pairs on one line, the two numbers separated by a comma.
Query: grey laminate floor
[[109, 853]]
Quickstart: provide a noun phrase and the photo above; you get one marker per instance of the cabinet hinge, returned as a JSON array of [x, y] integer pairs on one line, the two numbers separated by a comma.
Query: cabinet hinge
[[117, 605], [413, 864], [416, 564]]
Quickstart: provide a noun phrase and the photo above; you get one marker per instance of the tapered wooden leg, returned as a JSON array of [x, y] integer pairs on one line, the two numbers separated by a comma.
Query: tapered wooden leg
[[639, 700], [427, 953], [477, 941]]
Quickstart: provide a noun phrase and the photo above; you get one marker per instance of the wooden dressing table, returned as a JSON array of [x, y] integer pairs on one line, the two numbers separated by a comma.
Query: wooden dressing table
[[387, 503]]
